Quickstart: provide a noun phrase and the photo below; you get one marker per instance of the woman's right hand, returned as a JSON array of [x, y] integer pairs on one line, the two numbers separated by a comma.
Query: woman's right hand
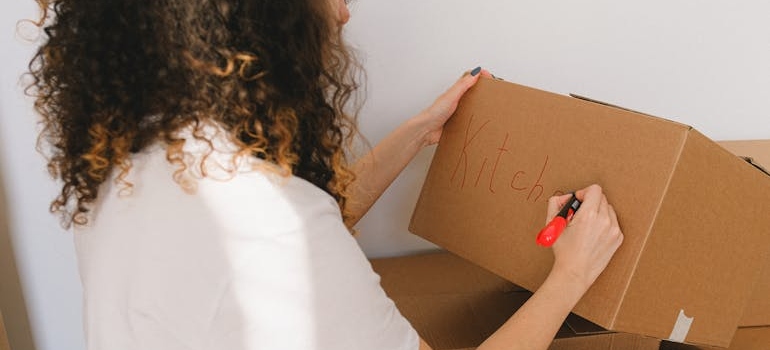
[[582, 252], [590, 239]]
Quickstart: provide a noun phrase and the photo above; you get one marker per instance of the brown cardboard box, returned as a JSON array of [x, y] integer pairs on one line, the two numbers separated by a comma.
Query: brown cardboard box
[[757, 312], [454, 304], [694, 216], [749, 338]]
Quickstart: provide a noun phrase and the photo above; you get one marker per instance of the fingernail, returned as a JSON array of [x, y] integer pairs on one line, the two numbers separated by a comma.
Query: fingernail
[[475, 71]]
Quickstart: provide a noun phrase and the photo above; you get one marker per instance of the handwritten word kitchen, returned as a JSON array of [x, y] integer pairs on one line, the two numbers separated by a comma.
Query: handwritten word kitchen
[[467, 173]]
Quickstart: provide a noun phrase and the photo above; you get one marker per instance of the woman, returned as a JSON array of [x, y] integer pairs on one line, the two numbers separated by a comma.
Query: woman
[[201, 147]]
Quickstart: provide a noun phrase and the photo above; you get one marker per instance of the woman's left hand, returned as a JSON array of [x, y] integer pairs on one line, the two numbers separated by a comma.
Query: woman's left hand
[[434, 117], [376, 170]]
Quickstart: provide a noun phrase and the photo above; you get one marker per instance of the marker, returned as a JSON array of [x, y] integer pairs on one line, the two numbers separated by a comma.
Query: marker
[[550, 233]]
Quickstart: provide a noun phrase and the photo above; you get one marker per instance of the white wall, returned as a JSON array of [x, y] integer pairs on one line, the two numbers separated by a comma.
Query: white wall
[[44, 252], [705, 63]]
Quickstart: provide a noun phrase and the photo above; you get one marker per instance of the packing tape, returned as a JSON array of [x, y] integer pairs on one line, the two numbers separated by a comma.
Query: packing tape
[[681, 328]]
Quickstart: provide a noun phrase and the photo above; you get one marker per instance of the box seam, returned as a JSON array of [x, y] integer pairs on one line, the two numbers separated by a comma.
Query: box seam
[[652, 224], [607, 104]]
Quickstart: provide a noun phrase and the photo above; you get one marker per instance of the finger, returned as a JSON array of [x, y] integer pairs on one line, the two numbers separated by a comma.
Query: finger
[[463, 84], [590, 197], [555, 204], [560, 200], [471, 72], [615, 228], [603, 206], [613, 216]]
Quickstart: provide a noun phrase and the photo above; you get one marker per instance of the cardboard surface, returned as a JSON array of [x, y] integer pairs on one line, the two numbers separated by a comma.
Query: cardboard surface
[[749, 338], [17, 327], [454, 304], [694, 216], [754, 338], [3, 335], [759, 150], [612, 341], [451, 303], [757, 312]]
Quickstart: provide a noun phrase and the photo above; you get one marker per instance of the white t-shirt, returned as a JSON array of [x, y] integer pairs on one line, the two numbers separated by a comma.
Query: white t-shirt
[[256, 261]]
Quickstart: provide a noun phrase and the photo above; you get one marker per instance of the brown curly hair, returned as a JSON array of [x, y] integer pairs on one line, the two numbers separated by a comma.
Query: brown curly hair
[[115, 76]]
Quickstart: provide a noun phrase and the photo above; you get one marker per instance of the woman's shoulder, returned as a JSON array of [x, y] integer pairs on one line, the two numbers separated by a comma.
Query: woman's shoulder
[[209, 171], [253, 206]]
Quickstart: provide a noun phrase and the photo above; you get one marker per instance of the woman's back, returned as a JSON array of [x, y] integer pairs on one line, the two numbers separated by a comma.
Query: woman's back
[[255, 261]]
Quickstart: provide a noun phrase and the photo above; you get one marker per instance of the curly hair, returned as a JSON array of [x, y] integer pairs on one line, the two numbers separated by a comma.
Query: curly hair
[[112, 77]]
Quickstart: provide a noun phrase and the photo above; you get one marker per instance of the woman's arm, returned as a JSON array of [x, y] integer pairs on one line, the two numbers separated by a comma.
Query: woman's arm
[[377, 170], [581, 254]]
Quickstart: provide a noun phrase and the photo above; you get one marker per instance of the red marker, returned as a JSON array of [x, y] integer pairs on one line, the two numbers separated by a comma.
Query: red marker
[[550, 233]]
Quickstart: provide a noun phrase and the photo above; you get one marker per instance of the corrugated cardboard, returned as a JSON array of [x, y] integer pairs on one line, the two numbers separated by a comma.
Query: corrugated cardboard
[[454, 304], [749, 338], [694, 216], [757, 312]]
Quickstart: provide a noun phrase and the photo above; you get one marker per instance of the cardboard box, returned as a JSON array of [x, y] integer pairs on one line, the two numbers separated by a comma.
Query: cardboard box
[[454, 304], [749, 338], [694, 215], [757, 311]]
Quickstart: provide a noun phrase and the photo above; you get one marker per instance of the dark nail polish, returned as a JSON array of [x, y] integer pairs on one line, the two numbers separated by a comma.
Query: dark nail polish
[[475, 71]]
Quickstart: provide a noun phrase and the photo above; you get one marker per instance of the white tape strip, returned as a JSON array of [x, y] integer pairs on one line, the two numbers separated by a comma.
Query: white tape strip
[[681, 328]]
